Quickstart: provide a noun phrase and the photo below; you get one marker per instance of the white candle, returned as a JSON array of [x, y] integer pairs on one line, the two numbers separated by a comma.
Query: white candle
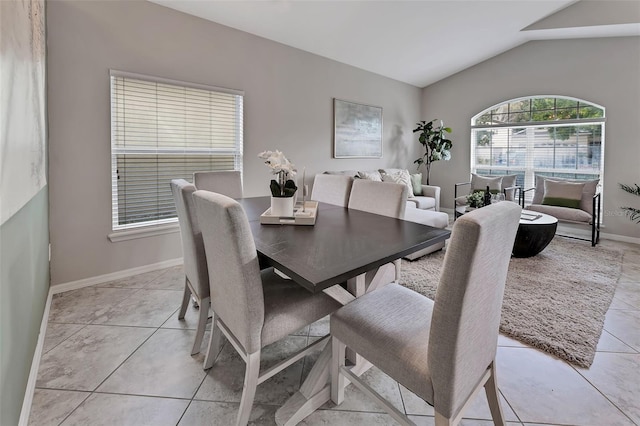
[[304, 189]]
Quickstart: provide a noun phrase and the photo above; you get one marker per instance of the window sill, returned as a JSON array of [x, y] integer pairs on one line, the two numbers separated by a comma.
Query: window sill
[[133, 234]]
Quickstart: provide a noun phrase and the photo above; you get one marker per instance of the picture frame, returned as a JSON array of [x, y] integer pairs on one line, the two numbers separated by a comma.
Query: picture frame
[[357, 130]]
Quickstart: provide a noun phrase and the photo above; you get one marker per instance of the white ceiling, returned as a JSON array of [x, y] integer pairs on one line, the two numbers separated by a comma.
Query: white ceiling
[[417, 42]]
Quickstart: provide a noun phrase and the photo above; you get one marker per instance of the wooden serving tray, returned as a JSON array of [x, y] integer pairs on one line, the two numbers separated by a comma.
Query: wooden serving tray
[[308, 217]]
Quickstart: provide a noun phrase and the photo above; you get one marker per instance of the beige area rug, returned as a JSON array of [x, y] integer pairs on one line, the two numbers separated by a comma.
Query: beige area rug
[[555, 301]]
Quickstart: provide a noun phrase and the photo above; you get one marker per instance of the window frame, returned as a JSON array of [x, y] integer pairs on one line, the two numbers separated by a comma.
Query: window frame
[[160, 226], [529, 170]]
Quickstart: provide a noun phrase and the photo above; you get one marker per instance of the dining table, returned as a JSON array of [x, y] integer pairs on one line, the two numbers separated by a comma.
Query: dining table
[[345, 254]]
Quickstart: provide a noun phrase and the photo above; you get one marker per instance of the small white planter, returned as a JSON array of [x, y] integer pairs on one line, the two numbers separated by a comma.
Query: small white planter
[[282, 206]]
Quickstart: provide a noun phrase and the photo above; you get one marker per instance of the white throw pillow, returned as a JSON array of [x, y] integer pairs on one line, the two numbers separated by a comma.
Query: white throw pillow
[[402, 177], [480, 183]]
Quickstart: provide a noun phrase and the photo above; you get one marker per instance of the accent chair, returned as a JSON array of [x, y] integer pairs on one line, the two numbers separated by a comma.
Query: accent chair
[[569, 200]]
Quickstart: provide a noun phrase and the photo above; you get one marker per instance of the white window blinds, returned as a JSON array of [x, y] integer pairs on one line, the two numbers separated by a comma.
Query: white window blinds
[[162, 130]]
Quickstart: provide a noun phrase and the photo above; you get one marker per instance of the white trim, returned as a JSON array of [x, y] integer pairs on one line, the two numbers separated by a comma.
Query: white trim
[[522, 98], [621, 238], [154, 79], [27, 401], [86, 282], [143, 232]]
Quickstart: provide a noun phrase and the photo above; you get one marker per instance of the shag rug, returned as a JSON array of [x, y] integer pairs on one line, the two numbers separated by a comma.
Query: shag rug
[[555, 301]]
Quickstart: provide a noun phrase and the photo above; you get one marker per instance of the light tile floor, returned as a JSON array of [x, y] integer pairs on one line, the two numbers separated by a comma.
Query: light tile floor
[[116, 354]]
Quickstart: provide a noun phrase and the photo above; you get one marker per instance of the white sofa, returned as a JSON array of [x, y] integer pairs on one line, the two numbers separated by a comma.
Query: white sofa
[[428, 200]]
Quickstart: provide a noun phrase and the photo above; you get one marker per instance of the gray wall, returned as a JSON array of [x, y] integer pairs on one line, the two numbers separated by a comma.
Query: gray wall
[[288, 105], [604, 71], [24, 284]]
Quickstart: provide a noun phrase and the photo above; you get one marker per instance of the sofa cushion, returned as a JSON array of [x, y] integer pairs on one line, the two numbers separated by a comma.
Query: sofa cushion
[[562, 194], [589, 190], [402, 176], [461, 200], [562, 213], [424, 203]]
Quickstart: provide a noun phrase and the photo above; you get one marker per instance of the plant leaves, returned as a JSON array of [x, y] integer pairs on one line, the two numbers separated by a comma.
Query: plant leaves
[[275, 188], [290, 188], [630, 189], [632, 213]]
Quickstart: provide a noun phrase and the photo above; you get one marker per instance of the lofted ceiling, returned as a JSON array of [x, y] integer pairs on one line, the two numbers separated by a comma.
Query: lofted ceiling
[[416, 42]]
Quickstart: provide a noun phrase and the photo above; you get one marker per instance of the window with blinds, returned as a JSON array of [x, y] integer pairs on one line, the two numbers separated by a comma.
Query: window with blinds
[[162, 130], [545, 135]]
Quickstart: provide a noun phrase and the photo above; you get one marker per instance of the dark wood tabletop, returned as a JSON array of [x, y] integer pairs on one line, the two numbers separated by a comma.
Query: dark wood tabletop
[[342, 244]]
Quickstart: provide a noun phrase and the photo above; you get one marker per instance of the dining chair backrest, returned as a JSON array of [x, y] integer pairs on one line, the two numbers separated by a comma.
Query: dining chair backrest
[[332, 189], [194, 259], [383, 198], [466, 314], [227, 182], [236, 293]]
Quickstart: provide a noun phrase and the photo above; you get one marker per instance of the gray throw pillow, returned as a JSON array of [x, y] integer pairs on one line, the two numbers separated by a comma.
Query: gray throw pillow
[[562, 194], [480, 183]]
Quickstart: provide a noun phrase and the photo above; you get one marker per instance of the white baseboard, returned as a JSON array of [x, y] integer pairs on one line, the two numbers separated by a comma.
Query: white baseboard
[[35, 364], [621, 238], [60, 288], [86, 282]]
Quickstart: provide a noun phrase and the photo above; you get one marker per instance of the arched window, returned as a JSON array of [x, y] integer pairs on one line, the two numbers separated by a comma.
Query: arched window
[[546, 135]]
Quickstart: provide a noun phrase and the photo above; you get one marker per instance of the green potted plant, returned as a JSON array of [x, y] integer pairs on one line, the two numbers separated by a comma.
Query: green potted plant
[[632, 213], [437, 146], [475, 199]]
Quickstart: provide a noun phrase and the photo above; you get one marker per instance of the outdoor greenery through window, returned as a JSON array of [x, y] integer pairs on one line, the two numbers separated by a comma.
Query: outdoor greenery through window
[[162, 130], [540, 135]]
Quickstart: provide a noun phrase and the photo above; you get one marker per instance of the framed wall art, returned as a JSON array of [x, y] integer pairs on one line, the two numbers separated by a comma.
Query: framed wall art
[[357, 130]]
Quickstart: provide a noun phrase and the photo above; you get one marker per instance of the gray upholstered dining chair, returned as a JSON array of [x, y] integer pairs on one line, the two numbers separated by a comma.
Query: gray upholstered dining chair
[[227, 182], [443, 351], [196, 281], [383, 198], [332, 189], [253, 308]]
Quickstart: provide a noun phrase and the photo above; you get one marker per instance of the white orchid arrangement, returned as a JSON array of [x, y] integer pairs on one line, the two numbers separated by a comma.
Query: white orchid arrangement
[[283, 186]]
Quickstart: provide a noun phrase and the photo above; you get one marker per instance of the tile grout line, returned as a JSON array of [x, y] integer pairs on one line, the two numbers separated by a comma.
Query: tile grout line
[[63, 340], [114, 370], [603, 394], [510, 406]]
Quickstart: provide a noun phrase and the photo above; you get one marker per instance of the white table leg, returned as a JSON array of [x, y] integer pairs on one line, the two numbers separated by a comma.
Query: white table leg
[[316, 391]]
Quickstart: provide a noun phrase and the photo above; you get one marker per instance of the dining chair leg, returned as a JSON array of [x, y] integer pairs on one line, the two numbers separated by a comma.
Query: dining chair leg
[[493, 396], [441, 420], [338, 353], [249, 388], [185, 300], [397, 263], [202, 324], [215, 341]]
